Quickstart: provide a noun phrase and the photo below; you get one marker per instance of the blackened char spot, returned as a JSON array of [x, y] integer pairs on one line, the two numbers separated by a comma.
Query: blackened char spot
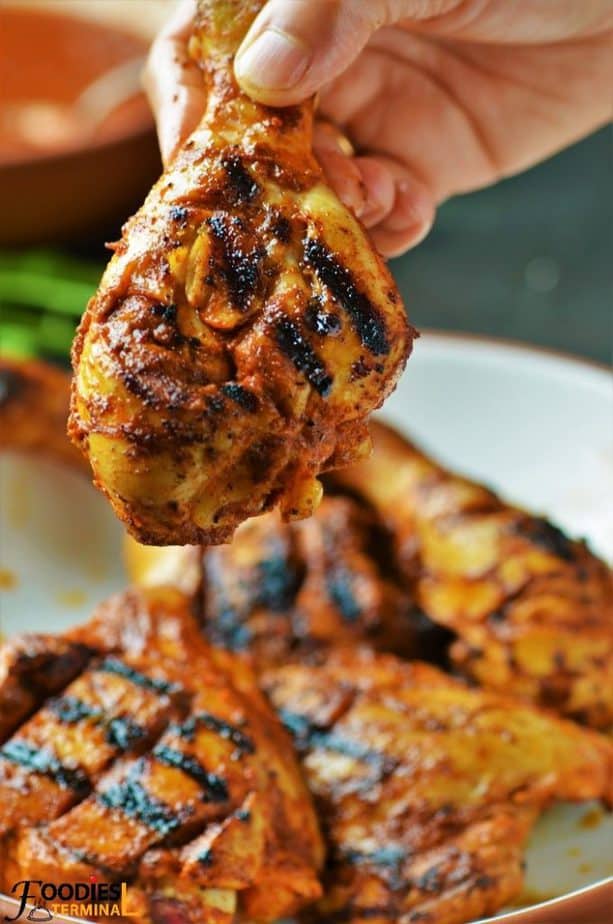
[[11, 384], [430, 881], [389, 861], [133, 800], [484, 882], [364, 317], [324, 323], [547, 536], [123, 732], [241, 396], [277, 583], [241, 185], [339, 584], [302, 355], [240, 269], [214, 787], [281, 228], [179, 214], [226, 628], [299, 726], [39, 760], [115, 666], [167, 312]]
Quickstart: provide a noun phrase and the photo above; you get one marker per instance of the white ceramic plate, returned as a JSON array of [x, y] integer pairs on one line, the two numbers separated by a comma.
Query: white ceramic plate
[[537, 427]]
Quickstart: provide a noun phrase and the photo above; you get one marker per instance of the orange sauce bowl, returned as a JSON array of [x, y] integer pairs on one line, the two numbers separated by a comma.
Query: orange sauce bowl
[[63, 181]]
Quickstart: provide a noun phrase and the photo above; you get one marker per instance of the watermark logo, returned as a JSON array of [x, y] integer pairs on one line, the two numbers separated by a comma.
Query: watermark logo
[[41, 901]]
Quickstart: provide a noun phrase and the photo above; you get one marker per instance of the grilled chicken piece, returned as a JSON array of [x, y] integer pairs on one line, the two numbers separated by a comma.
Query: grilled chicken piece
[[33, 667], [142, 769], [34, 403], [290, 591], [532, 609], [244, 329], [427, 789]]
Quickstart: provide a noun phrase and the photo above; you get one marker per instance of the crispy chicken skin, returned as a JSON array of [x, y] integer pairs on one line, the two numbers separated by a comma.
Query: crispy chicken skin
[[34, 403], [532, 609], [244, 329], [290, 591], [427, 789], [161, 764]]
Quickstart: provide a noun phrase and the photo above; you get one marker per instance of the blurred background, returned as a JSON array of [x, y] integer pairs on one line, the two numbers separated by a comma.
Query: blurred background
[[529, 259]]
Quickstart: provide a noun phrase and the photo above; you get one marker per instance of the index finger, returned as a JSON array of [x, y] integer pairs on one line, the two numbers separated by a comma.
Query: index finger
[[173, 81]]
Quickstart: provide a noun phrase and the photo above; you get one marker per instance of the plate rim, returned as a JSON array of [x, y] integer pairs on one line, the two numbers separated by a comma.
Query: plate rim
[[512, 345], [508, 346]]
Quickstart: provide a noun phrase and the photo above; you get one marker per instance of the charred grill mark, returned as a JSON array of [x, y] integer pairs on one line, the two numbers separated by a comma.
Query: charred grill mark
[[115, 666], [39, 760], [547, 536], [364, 317], [322, 322], [240, 269], [302, 355], [69, 710], [277, 583], [130, 797], [281, 228], [391, 856], [330, 741], [241, 396], [310, 736], [339, 584], [124, 733], [241, 185], [220, 727], [214, 787], [228, 629]]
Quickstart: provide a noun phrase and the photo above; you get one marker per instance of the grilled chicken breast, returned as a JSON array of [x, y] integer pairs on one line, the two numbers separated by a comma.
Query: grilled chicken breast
[[244, 329], [34, 404], [162, 765], [427, 790], [290, 591], [32, 668], [532, 610]]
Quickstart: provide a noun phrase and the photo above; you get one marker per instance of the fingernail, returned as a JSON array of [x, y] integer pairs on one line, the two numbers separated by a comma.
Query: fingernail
[[413, 206], [273, 61]]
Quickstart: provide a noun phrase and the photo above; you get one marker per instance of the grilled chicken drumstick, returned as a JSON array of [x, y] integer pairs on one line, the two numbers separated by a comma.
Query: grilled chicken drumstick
[[162, 765], [427, 789], [244, 329], [290, 591], [532, 609]]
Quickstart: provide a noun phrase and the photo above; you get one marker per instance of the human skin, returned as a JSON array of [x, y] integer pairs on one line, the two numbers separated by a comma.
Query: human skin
[[437, 97]]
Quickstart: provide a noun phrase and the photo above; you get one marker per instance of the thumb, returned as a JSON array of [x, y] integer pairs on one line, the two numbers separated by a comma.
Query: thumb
[[296, 46]]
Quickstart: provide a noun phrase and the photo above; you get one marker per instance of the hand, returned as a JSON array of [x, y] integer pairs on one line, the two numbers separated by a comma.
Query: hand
[[438, 97]]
